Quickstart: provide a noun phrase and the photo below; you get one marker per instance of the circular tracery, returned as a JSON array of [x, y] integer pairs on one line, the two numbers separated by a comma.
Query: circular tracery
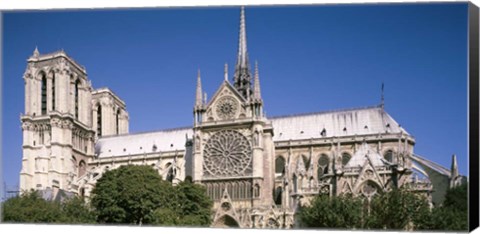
[[227, 153], [369, 189], [227, 107]]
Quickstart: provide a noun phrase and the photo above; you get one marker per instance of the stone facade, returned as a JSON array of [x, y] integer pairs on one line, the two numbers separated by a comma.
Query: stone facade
[[60, 123], [257, 170]]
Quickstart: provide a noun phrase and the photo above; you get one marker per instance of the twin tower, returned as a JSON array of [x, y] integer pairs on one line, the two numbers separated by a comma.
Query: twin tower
[[63, 118]]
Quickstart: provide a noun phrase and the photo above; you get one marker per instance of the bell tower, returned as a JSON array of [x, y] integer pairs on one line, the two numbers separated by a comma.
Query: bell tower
[[58, 140]]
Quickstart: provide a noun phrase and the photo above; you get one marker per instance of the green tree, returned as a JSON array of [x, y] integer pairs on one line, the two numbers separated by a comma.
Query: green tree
[[138, 195], [130, 194], [195, 205], [77, 211], [399, 209], [332, 212], [452, 215], [31, 208], [191, 207]]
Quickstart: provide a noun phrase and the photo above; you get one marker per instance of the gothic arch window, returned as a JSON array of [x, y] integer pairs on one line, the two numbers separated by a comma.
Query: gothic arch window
[[242, 190], [345, 158], [82, 168], [53, 90], [117, 122], [306, 162], [280, 165], [99, 120], [77, 83], [389, 156], [170, 173], [248, 189], [278, 196], [322, 165], [295, 183], [256, 190], [44, 93], [41, 136]]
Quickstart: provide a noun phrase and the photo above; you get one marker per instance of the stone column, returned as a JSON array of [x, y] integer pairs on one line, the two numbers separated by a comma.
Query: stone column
[[27, 95]]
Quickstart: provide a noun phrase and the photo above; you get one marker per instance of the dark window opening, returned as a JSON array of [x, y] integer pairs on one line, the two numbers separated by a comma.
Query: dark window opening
[[99, 121], [278, 196], [389, 156], [306, 161], [53, 91], [323, 133], [345, 158], [44, 95], [117, 121], [280, 165], [170, 175], [76, 98], [322, 166]]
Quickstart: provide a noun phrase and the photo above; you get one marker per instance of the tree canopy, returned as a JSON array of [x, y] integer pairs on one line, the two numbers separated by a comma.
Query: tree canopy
[[332, 212], [452, 215], [398, 209], [138, 195], [31, 208]]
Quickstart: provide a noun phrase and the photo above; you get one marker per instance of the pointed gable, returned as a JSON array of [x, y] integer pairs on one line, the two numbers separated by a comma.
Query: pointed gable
[[364, 154], [225, 86]]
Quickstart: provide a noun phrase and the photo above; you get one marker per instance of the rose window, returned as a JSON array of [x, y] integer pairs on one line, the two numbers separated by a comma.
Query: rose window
[[227, 153], [227, 107], [226, 206], [369, 189]]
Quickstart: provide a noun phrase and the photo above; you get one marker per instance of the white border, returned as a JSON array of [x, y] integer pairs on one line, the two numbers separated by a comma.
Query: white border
[[88, 4], [19, 5]]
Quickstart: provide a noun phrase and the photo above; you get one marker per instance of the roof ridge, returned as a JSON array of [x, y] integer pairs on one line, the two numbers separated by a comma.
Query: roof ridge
[[274, 117], [148, 131], [324, 112]]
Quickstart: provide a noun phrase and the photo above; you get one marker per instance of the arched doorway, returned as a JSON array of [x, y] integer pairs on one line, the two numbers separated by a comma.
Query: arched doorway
[[225, 221]]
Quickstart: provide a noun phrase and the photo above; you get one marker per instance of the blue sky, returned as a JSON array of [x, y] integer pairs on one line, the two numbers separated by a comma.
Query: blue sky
[[311, 58]]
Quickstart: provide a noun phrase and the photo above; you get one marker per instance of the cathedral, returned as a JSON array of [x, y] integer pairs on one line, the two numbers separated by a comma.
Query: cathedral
[[257, 170]]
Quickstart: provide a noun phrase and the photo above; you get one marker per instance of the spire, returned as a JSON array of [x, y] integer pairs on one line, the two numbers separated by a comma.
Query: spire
[[35, 52], [198, 96], [256, 84], [242, 58], [242, 74], [225, 72], [382, 101], [454, 171]]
